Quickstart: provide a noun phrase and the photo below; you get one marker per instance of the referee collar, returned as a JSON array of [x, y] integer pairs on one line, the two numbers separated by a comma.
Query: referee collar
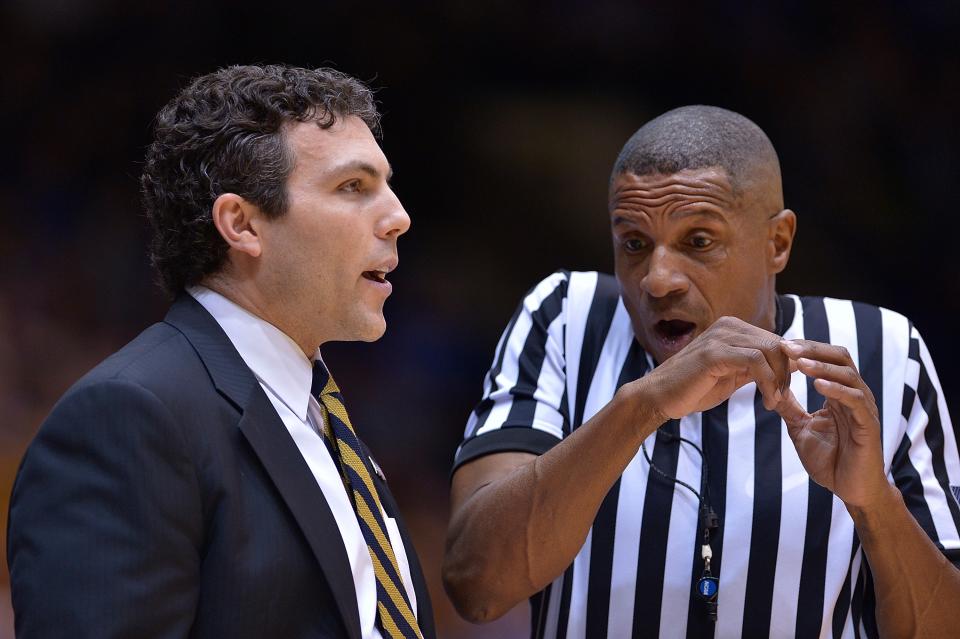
[[784, 315]]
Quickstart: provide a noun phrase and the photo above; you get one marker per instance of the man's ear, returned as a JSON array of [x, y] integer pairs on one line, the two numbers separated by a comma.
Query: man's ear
[[783, 226], [234, 218]]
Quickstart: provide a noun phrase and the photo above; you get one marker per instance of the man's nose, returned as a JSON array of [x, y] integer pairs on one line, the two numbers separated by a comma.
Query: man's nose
[[395, 221], [665, 275]]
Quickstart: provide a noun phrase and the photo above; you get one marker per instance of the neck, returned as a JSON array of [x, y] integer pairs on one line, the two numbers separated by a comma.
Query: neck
[[251, 301], [768, 317]]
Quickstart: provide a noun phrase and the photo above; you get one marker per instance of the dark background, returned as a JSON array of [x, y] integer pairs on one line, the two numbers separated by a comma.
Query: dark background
[[501, 120]]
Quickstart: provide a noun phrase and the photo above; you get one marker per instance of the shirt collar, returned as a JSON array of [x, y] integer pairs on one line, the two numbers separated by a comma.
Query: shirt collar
[[274, 358]]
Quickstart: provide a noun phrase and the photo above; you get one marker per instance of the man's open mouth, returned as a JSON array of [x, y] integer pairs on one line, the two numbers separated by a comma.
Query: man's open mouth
[[674, 334], [376, 276]]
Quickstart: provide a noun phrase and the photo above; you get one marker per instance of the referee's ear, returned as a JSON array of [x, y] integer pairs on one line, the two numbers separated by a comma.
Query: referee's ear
[[783, 226]]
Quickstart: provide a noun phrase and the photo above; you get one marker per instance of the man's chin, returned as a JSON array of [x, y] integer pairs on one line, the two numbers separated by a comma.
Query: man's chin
[[373, 329], [361, 327]]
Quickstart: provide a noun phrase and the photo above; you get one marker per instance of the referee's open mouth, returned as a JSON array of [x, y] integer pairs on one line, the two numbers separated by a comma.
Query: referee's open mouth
[[674, 334]]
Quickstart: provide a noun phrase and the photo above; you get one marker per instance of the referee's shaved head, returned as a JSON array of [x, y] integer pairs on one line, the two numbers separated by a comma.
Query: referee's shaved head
[[698, 137]]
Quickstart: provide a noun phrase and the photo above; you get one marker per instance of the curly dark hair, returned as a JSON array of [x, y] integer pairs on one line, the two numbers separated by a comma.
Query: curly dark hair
[[224, 134]]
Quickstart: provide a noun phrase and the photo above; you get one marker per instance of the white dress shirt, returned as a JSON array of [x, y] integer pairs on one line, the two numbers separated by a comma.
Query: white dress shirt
[[286, 374]]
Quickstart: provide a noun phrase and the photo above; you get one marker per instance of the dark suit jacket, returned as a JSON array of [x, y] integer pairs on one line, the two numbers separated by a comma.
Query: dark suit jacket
[[164, 497]]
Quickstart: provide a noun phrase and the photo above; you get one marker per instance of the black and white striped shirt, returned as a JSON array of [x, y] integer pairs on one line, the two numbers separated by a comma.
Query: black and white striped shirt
[[787, 555]]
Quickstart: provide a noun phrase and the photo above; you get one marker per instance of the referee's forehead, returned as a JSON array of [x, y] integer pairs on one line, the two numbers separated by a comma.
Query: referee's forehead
[[752, 198], [706, 189]]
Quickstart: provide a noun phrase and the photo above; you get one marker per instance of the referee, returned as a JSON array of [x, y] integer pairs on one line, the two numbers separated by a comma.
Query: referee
[[680, 451]]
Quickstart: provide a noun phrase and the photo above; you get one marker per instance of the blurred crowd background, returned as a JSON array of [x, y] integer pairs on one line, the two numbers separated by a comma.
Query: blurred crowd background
[[502, 120]]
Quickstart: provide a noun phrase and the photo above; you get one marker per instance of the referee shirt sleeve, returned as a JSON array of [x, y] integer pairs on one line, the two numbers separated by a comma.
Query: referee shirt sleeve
[[926, 465], [523, 407]]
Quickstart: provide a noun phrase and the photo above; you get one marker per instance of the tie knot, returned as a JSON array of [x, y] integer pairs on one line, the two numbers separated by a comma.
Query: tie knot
[[323, 383]]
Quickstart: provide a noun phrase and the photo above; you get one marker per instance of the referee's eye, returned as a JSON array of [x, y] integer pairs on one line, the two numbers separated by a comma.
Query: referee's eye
[[701, 242], [634, 245]]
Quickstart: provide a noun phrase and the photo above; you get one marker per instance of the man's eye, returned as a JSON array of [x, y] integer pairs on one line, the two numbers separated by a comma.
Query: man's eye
[[352, 186], [701, 242], [634, 245]]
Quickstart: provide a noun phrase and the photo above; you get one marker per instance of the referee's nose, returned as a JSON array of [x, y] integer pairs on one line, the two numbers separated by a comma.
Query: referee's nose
[[665, 274]]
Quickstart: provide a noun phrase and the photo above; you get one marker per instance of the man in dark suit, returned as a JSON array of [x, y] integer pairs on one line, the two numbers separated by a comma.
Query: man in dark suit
[[205, 480]]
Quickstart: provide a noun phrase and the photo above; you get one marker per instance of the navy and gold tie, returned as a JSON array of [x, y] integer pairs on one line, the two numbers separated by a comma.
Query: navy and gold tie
[[394, 613]]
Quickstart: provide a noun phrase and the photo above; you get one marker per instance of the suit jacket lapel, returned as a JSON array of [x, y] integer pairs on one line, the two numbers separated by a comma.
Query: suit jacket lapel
[[288, 470], [277, 451]]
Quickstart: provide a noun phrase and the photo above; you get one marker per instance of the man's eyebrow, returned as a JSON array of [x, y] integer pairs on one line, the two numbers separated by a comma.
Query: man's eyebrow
[[360, 165]]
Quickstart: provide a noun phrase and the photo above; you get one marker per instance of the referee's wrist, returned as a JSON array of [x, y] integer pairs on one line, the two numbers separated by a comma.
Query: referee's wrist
[[639, 403], [874, 512]]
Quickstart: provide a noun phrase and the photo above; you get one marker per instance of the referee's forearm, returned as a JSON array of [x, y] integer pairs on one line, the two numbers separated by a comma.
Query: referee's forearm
[[917, 587], [514, 532]]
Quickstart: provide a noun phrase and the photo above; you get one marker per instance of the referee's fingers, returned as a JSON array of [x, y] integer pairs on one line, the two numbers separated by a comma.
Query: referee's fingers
[[840, 374], [829, 353], [749, 336], [754, 363], [854, 399], [833, 372], [792, 412]]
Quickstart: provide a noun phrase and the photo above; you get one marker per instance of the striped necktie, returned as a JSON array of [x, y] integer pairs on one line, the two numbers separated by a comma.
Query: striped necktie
[[394, 614]]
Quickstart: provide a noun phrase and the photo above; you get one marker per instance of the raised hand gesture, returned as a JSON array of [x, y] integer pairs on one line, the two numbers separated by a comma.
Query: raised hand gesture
[[839, 445]]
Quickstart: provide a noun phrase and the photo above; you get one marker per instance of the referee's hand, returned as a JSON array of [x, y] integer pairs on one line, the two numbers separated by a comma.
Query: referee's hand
[[726, 356], [839, 445]]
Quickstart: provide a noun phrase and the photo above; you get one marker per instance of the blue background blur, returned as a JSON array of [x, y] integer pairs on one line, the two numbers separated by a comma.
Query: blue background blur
[[502, 120]]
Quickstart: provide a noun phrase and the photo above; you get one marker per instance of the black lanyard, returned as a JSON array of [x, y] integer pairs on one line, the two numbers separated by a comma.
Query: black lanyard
[[707, 586]]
